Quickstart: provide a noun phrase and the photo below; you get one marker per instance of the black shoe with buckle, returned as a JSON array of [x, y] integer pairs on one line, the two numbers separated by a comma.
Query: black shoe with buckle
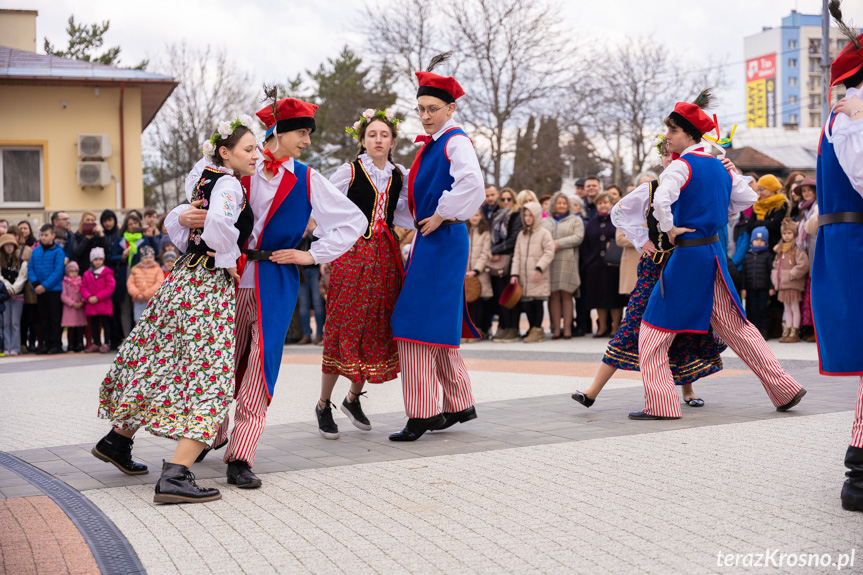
[[117, 450], [794, 401], [451, 418], [417, 426], [207, 450], [326, 426], [240, 474], [354, 411], [581, 398], [177, 485]]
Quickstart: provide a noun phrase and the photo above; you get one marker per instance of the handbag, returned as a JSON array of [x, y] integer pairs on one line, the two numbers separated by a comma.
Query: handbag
[[500, 268], [613, 253]]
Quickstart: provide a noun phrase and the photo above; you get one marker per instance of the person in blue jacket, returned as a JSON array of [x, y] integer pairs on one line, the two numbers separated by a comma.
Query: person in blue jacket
[[45, 272]]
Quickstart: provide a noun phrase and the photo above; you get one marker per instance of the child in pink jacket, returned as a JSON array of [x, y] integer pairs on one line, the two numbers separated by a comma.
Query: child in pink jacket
[[97, 288], [73, 309]]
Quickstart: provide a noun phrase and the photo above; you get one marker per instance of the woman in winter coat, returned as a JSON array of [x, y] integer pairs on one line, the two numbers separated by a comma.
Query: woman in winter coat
[[601, 278], [790, 270], [567, 232], [628, 264], [533, 254], [807, 207], [770, 209], [505, 226], [13, 273], [481, 309]]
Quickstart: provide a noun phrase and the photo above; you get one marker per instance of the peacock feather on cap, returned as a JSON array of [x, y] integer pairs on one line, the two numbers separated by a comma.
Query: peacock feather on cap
[[705, 99], [439, 59], [271, 94], [847, 31]]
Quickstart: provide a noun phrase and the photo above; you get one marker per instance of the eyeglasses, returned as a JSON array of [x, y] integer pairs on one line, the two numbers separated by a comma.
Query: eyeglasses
[[421, 110], [506, 199]]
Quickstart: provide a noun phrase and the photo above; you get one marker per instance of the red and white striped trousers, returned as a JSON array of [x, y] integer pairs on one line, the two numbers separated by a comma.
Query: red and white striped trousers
[[660, 396], [423, 368], [857, 428], [251, 402]]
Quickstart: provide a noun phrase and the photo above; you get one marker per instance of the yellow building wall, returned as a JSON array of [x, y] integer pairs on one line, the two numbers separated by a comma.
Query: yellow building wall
[[18, 29], [34, 115]]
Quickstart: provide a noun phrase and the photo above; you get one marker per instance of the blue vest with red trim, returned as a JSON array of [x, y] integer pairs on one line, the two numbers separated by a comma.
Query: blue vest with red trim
[[690, 275], [277, 285], [837, 284], [431, 307]]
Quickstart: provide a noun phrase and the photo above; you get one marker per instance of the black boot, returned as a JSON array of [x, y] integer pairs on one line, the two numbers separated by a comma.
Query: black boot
[[117, 449], [177, 485], [852, 491], [451, 418], [240, 474], [417, 426]]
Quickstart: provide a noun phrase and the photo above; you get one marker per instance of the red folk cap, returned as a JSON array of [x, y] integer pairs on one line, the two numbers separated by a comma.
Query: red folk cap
[[847, 63], [687, 113], [442, 87], [291, 114]]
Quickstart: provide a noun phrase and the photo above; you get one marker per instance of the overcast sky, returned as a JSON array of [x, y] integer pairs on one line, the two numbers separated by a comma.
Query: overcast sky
[[275, 40]]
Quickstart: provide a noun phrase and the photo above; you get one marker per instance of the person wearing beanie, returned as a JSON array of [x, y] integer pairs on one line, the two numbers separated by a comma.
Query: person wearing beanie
[[757, 287], [168, 260], [770, 208], [282, 193], [836, 279], [97, 287], [692, 202], [13, 274], [145, 278], [74, 319]]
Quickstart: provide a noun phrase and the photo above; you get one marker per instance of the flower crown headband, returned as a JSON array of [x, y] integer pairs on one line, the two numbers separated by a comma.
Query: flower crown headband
[[224, 131], [660, 141], [387, 115]]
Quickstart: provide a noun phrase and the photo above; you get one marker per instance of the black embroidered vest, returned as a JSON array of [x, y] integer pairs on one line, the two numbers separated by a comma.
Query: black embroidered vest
[[664, 247], [363, 193], [245, 222]]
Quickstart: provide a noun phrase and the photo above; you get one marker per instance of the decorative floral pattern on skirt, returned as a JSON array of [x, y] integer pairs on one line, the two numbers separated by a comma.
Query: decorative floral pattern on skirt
[[692, 355], [806, 306], [174, 374], [358, 336]]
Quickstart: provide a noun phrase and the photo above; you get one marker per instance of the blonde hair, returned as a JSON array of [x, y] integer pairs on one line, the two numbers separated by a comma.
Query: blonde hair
[[526, 196]]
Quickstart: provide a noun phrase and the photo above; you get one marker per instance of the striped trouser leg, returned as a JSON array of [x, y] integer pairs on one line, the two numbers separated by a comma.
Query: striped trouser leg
[[660, 395], [419, 379], [857, 429], [454, 380], [251, 401], [243, 318], [746, 341]]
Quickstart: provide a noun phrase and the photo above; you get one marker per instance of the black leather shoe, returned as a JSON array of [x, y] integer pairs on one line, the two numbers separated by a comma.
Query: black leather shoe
[[451, 418], [416, 427], [852, 490], [694, 402], [207, 450], [326, 425], [354, 411], [582, 399], [177, 485], [240, 474], [117, 450], [794, 401], [646, 416]]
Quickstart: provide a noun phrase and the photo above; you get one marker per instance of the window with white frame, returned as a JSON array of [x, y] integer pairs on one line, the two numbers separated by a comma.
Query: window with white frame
[[792, 44], [792, 118], [792, 80], [792, 62], [792, 100], [21, 176]]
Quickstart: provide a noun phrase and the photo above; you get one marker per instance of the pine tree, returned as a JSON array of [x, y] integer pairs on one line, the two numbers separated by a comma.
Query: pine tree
[[84, 40], [548, 163], [523, 167]]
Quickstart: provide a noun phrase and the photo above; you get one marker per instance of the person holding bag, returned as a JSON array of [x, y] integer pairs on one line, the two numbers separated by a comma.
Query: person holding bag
[[505, 226]]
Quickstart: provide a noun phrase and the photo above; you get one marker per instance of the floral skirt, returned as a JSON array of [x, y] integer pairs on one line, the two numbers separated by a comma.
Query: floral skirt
[[806, 306], [692, 355], [174, 374], [358, 336]]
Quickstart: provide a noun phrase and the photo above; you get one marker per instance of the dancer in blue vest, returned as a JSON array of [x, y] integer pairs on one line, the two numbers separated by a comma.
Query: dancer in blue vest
[[282, 192], [445, 188], [691, 203], [836, 281]]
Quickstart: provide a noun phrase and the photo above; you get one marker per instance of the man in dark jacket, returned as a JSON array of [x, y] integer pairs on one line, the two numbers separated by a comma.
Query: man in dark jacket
[[757, 286], [45, 272]]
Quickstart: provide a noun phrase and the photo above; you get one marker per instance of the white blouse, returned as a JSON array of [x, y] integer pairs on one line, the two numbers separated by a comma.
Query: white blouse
[[380, 178], [468, 189], [847, 139], [675, 176], [630, 213], [226, 203]]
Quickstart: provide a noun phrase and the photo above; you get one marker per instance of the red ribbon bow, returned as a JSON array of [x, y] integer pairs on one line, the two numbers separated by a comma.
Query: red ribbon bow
[[424, 138], [272, 165]]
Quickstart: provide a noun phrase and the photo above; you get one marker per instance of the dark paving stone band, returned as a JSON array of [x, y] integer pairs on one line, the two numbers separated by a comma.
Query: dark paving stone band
[[111, 550]]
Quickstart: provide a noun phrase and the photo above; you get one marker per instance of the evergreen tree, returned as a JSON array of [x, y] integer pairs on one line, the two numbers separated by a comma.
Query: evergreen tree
[[581, 155], [548, 163], [84, 40], [523, 167]]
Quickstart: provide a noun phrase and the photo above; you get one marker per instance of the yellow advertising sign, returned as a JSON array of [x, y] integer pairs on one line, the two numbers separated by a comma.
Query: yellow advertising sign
[[756, 104]]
